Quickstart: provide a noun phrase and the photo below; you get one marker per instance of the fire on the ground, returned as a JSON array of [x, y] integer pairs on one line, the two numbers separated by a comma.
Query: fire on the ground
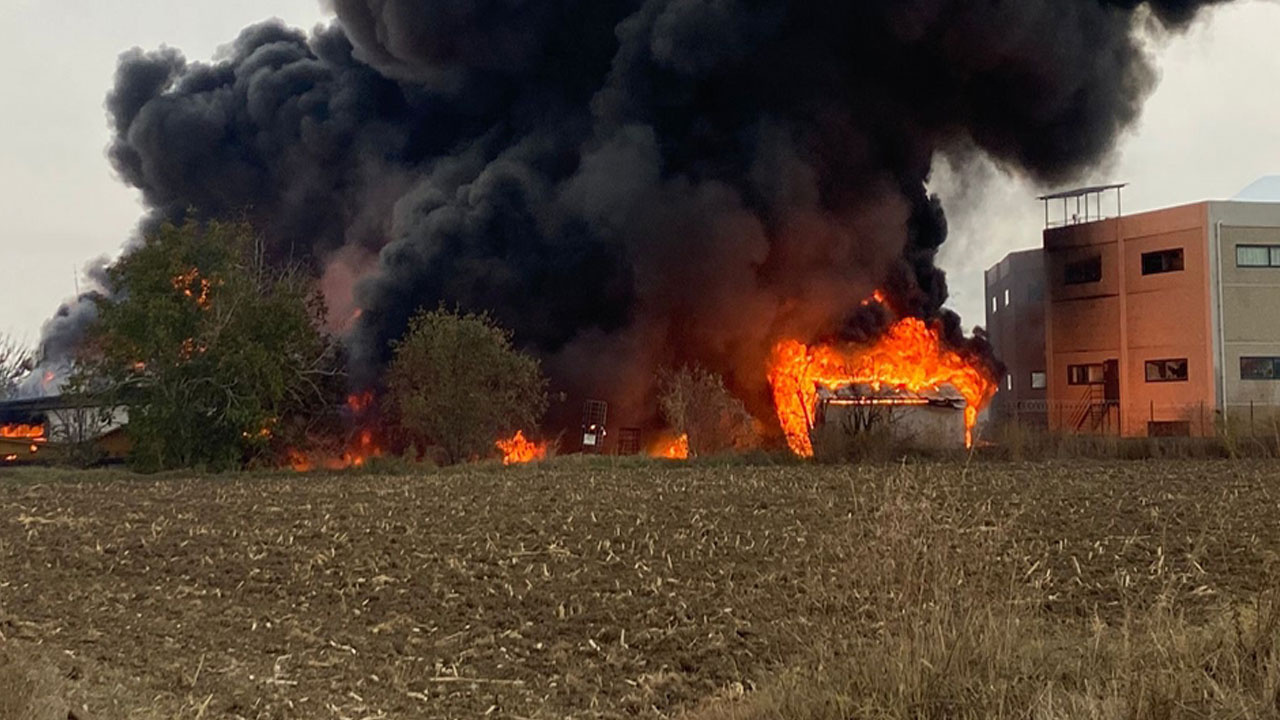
[[21, 442]]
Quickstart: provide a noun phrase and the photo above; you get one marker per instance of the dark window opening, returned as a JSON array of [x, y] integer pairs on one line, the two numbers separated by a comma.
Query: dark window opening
[[1035, 293], [1162, 261], [1084, 375], [1169, 428], [1167, 370], [1084, 271], [1259, 368]]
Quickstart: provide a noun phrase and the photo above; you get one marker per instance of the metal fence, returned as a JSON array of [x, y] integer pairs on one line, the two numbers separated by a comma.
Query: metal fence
[[1142, 419]]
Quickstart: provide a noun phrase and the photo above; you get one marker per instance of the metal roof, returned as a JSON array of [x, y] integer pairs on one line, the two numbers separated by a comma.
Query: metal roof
[[1077, 192]]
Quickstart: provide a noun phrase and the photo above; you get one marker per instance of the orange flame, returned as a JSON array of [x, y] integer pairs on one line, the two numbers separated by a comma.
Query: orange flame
[[360, 449], [518, 450], [191, 285], [299, 461], [187, 350], [360, 402], [910, 357], [675, 449], [22, 432]]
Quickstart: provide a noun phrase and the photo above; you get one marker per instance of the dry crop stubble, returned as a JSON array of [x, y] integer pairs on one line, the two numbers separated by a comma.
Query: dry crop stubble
[[650, 590]]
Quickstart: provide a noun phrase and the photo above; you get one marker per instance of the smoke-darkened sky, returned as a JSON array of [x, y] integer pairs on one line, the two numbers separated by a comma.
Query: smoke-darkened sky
[[1207, 131]]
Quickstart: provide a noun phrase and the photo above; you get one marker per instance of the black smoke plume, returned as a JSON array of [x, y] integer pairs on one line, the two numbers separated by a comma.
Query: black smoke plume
[[629, 183]]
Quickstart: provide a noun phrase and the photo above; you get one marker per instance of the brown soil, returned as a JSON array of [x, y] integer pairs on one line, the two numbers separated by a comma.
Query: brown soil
[[570, 590]]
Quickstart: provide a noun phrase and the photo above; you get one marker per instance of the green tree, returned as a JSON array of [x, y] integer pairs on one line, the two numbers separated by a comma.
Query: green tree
[[457, 383], [696, 403], [217, 356]]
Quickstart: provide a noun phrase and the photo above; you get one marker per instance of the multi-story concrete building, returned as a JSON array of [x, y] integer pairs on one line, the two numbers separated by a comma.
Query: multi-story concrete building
[[1159, 323], [1015, 301]]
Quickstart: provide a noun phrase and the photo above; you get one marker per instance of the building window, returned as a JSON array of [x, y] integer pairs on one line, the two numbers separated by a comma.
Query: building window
[[995, 307], [1258, 256], [1008, 382], [1167, 370], [1084, 374], [1259, 368], [1035, 293], [1006, 297], [1162, 261], [1084, 271], [1039, 381]]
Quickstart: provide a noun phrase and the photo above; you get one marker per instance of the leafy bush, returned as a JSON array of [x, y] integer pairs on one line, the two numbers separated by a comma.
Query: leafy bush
[[695, 402], [457, 384]]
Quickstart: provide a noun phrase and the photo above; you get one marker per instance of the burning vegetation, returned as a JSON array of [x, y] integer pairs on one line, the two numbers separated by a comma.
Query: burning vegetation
[[361, 424], [673, 449], [517, 450]]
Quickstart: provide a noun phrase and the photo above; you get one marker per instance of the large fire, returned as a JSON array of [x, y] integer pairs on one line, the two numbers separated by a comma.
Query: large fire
[[909, 357], [518, 450]]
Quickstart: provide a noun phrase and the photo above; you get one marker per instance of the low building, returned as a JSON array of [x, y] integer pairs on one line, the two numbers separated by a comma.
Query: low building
[[905, 419], [57, 428]]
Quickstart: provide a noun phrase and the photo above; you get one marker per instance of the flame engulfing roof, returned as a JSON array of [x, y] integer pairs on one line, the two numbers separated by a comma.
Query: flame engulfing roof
[[909, 358]]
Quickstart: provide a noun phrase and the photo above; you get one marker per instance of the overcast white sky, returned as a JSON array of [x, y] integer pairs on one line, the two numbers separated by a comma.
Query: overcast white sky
[[1212, 127]]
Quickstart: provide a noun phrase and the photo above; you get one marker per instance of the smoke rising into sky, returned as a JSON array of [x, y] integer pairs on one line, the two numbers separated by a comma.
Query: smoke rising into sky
[[627, 184]]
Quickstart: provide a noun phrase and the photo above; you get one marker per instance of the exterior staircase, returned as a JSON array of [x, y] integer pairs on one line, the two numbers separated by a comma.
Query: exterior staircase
[[1093, 413]]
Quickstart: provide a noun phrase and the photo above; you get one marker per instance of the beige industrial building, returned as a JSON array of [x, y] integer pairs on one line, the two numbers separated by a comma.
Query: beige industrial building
[[1158, 323]]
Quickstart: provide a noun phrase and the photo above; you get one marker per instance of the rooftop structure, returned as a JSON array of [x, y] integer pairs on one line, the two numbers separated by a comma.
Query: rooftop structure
[[1081, 205]]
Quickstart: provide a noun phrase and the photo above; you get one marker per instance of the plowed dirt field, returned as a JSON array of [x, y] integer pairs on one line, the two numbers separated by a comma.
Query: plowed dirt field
[[565, 590]]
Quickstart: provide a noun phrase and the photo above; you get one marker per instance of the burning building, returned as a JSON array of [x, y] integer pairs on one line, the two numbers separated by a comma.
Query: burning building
[[53, 428], [627, 184], [906, 420]]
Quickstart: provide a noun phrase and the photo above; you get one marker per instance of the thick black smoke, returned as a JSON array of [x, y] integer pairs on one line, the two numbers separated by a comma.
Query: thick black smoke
[[629, 183]]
